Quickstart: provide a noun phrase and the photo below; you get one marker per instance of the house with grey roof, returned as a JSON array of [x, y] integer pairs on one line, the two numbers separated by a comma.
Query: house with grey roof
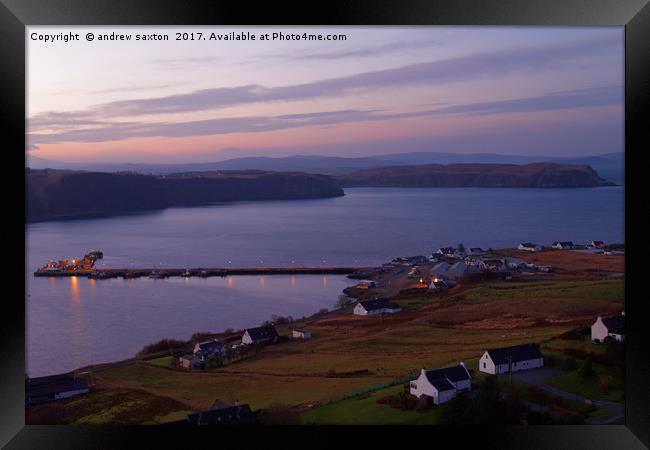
[[612, 327], [441, 385], [514, 358]]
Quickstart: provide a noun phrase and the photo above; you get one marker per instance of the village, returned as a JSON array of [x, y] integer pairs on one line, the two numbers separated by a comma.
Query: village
[[581, 356]]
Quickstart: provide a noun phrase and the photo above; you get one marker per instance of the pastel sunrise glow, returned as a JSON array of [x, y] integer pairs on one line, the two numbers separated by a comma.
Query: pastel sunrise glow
[[529, 91]]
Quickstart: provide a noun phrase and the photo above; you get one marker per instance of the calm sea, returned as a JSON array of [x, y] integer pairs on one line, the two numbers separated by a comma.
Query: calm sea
[[75, 322]]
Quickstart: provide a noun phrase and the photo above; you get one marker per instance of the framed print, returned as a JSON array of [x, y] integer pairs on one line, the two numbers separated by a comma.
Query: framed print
[[363, 218]]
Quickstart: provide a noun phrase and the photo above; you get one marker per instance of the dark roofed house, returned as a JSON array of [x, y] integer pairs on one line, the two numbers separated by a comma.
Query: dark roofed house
[[563, 245], [231, 415], [206, 349], [441, 385], [609, 327], [54, 387], [515, 358], [376, 306], [267, 333]]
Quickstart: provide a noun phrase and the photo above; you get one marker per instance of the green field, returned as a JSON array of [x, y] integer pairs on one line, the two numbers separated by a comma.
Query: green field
[[117, 407], [366, 411], [589, 388], [608, 290]]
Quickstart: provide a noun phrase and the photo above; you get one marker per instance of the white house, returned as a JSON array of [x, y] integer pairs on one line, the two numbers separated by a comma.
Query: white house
[[563, 245], [597, 244], [259, 335], [441, 385], [609, 326], [376, 306], [529, 247], [299, 333], [519, 357]]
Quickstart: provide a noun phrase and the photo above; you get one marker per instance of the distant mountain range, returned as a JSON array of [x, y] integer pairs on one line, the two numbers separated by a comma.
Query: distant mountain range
[[609, 166]]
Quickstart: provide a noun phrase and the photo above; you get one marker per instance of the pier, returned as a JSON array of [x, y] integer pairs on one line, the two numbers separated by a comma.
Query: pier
[[197, 272]]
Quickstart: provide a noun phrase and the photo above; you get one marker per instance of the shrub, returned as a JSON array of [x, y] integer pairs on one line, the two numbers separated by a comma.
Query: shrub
[[586, 370], [603, 382], [279, 414], [569, 364], [162, 345]]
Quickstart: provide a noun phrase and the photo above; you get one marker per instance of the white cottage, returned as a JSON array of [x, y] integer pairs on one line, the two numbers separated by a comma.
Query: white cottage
[[441, 385], [299, 333], [518, 357], [609, 327], [376, 306], [529, 247], [259, 335]]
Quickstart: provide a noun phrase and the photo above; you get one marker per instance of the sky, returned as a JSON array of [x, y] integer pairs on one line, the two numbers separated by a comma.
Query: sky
[[511, 90]]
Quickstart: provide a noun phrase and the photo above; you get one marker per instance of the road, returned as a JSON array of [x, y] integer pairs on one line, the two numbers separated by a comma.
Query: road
[[537, 377]]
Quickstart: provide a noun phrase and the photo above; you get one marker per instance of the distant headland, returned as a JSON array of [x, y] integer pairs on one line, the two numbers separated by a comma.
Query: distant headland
[[535, 175]]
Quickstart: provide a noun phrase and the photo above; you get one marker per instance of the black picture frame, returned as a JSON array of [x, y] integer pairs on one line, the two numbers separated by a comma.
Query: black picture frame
[[633, 14]]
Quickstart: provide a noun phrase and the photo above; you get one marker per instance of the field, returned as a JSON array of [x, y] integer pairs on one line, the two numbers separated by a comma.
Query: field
[[114, 406], [350, 352], [366, 411]]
